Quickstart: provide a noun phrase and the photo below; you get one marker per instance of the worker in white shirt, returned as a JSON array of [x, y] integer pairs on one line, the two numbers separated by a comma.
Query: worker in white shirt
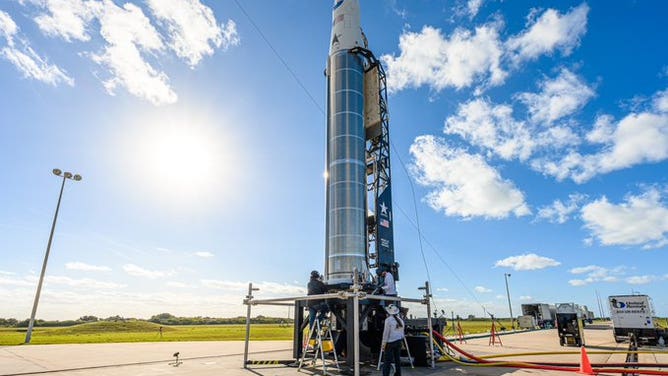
[[389, 287], [393, 335]]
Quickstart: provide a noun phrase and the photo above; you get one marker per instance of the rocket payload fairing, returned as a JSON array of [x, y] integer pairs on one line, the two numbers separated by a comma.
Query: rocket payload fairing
[[346, 201]]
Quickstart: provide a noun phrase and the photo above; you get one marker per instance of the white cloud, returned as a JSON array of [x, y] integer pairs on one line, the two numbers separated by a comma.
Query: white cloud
[[138, 271], [271, 288], [585, 269], [85, 283], [10, 281], [473, 7], [661, 100], [429, 58], [476, 57], [25, 59], [560, 212], [640, 220], [178, 285], [526, 298], [641, 279], [442, 289], [131, 40], [8, 28], [603, 131], [493, 127], [77, 265], [128, 33], [192, 28], [464, 184], [204, 254], [637, 138], [3, 272], [595, 273], [35, 67], [482, 289], [67, 19], [550, 31], [224, 285], [560, 97], [528, 261]]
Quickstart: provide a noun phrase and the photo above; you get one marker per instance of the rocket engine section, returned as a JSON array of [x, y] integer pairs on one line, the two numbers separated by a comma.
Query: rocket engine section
[[346, 189]]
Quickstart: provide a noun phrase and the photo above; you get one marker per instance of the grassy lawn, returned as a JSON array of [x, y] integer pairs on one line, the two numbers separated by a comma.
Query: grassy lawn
[[139, 331], [476, 326]]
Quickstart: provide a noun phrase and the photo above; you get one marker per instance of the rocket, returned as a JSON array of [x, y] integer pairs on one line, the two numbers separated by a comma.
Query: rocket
[[346, 186]]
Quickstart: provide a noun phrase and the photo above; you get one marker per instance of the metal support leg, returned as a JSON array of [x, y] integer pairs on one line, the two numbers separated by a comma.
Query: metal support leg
[[249, 301], [408, 351], [427, 297]]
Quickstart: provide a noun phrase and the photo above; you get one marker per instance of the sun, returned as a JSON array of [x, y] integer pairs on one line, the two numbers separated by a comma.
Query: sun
[[180, 159]]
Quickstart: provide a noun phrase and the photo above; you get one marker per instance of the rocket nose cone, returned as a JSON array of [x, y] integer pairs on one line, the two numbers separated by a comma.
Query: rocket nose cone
[[346, 30]]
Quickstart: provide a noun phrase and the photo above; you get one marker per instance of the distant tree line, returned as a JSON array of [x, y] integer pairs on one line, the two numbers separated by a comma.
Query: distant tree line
[[162, 319], [169, 319]]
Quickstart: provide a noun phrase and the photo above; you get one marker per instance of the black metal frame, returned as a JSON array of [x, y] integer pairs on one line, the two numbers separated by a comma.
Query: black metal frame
[[378, 172]]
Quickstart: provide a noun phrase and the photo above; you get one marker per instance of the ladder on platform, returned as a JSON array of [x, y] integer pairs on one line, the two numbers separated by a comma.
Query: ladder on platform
[[319, 342]]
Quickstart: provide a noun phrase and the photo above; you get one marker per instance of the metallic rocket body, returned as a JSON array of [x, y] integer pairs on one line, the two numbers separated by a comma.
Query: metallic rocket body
[[345, 247]]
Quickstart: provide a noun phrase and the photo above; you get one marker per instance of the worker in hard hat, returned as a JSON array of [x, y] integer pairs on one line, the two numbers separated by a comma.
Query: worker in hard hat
[[317, 307]]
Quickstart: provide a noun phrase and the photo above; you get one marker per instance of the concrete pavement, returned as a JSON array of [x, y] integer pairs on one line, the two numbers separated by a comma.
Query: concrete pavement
[[226, 358]]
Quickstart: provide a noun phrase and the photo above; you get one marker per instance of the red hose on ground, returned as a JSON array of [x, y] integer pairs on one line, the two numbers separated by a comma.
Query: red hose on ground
[[531, 365]]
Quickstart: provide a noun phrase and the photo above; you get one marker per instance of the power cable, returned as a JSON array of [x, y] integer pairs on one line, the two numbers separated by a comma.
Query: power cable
[[417, 218], [285, 64], [421, 236], [403, 165], [461, 282]]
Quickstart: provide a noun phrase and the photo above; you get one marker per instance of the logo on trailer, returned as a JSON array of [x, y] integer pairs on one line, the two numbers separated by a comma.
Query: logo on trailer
[[617, 304]]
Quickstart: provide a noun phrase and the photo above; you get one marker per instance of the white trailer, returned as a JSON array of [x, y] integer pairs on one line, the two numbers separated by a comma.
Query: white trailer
[[634, 314], [527, 322], [541, 312]]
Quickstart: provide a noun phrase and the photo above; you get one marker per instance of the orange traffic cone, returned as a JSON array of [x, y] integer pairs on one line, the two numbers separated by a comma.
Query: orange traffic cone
[[585, 365]]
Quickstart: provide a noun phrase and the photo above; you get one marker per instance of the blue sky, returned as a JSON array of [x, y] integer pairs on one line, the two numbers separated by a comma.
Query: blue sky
[[529, 138]]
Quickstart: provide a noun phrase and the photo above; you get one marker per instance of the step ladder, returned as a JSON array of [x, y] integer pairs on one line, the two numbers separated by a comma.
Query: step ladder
[[319, 342], [382, 351]]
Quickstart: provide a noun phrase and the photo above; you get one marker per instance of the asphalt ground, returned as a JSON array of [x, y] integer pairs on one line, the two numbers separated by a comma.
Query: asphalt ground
[[226, 358]]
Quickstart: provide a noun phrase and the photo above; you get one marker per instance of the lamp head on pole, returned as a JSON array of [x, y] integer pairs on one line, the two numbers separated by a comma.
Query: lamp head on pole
[[67, 175]]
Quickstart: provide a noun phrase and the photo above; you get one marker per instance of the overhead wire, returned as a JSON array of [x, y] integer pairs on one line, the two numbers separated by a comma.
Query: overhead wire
[[416, 224], [285, 64]]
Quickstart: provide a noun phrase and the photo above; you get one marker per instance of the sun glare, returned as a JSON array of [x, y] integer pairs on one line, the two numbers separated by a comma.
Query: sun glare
[[181, 160]]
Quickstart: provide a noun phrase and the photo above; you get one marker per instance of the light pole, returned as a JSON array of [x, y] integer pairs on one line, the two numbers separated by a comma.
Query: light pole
[[510, 306], [65, 176]]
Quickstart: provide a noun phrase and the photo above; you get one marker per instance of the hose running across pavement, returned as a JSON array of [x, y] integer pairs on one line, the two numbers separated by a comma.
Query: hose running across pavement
[[572, 367]]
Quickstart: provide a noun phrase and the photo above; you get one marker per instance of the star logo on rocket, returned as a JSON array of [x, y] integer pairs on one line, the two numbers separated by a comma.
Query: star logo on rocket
[[383, 209]]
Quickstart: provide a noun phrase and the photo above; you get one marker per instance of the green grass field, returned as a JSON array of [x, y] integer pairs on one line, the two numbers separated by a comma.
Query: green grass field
[[142, 331]]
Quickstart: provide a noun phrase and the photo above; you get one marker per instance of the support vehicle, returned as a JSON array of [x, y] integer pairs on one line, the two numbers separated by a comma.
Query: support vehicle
[[569, 325], [634, 314]]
